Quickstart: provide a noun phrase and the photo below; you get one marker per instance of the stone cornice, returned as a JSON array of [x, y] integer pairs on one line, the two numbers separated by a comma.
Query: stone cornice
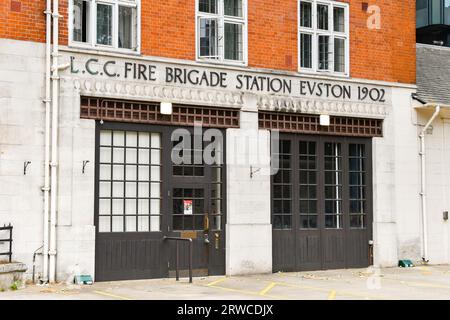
[[139, 91], [320, 106]]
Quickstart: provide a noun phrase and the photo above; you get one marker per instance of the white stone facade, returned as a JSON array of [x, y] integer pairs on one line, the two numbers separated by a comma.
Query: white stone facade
[[396, 164]]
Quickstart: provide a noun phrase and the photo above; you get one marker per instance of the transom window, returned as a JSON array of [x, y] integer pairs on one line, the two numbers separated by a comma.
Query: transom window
[[323, 36], [222, 30], [105, 24]]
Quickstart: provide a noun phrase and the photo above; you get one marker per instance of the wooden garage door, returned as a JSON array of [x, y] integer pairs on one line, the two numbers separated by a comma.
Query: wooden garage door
[[321, 203]]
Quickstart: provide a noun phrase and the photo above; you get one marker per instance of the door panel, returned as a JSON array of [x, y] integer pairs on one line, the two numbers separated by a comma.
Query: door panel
[[329, 204]]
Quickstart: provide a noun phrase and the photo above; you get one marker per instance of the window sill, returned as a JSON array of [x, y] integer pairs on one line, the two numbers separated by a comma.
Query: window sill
[[104, 49], [324, 73], [223, 62]]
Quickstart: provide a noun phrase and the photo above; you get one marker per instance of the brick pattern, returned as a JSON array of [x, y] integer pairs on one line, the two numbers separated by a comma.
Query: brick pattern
[[168, 30]]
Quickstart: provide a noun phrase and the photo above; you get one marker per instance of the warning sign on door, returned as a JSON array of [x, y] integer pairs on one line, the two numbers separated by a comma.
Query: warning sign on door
[[187, 206]]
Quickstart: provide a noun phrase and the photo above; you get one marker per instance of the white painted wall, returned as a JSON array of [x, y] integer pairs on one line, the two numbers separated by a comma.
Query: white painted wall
[[22, 139], [438, 189], [248, 228], [397, 184]]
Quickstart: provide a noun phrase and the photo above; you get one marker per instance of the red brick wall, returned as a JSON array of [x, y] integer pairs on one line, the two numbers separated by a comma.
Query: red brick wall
[[168, 30]]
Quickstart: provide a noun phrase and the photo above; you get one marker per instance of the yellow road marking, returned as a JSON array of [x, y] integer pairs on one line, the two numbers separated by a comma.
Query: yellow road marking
[[107, 294], [216, 282], [425, 270], [267, 289], [332, 295], [252, 293], [345, 293]]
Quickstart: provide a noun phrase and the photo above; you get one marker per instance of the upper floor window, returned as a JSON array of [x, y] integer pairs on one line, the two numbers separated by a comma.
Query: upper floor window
[[222, 30], [432, 12], [104, 24], [323, 36]]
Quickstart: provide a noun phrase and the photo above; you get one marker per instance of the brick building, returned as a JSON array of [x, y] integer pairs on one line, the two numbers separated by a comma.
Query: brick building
[[307, 104]]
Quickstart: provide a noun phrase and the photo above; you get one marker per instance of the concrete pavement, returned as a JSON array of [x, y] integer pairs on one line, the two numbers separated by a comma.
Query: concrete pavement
[[422, 282]]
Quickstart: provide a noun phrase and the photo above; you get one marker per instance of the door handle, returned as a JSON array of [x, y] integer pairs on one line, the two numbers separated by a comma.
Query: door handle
[[206, 223], [216, 240], [206, 228]]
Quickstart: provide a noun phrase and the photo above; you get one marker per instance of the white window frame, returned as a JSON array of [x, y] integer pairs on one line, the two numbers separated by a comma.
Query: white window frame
[[315, 33], [222, 19], [92, 44]]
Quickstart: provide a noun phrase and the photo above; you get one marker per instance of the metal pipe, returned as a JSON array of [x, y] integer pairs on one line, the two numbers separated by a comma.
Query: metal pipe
[[177, 262], [423, 185], [54, 151], [34, 261], [190, 260], [46, 188], [190, 254]]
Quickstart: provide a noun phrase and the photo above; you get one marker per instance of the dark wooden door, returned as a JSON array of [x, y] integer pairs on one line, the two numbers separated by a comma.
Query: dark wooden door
[[138, 196], [196, 206], [321, 203]]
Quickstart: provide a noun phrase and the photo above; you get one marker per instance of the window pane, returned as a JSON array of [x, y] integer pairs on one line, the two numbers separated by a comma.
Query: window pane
[[81, 13], [233, 8], [156, 140], [131, 137], [339, 55], [155, 224], [105, 172], [233, 42], [436, 12], [104, 224], [339, 19], [209, 6], [324, 52], [322, 17], [447, 12], [119, 138], [306, 50], [143, 224], [305, 14], [105, 138], [208, 38], [130, 224], [422, 13], [105, 155], [104, 24], [126, 27], [117, 224]]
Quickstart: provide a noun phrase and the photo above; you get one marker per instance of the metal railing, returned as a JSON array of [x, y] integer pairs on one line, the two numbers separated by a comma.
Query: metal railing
[[177, 262], [8, 228]]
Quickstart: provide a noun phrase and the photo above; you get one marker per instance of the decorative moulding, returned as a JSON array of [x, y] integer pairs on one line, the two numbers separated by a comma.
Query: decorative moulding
[[315, 106], [121, 90]]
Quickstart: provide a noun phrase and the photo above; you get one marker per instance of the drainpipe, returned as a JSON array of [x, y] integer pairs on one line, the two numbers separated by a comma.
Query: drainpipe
[[54, 154], [46, 188], [423, 185]]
